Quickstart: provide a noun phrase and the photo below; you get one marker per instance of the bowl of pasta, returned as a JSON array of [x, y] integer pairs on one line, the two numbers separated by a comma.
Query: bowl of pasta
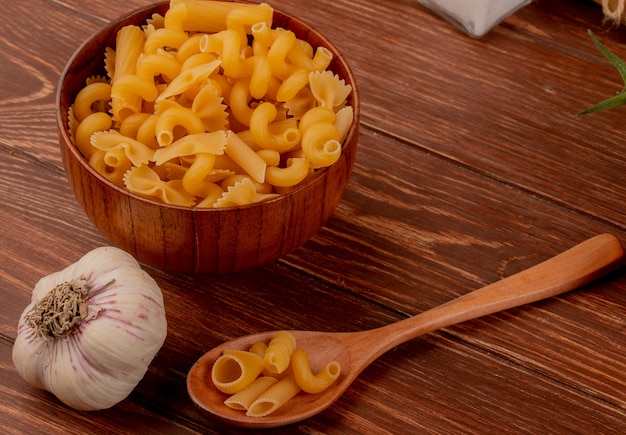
[[208, 136]]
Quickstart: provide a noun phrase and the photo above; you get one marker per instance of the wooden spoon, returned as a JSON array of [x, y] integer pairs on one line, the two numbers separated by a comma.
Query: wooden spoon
[[356, 350]]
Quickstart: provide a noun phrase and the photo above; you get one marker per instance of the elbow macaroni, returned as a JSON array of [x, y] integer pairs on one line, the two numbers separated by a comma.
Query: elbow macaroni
[[264, 394], [210, 92]]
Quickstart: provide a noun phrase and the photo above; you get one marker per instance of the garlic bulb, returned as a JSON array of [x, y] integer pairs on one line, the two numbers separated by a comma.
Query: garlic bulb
[[91, 330]]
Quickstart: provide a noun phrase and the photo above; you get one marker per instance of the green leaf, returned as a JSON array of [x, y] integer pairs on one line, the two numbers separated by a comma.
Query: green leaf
[[616, 61], [619, 64], [609, 103]]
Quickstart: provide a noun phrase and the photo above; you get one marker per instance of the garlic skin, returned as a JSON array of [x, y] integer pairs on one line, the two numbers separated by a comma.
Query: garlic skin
[[103, 359]]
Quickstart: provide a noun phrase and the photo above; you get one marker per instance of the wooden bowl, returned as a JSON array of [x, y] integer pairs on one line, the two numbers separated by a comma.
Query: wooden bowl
[[191, 240]]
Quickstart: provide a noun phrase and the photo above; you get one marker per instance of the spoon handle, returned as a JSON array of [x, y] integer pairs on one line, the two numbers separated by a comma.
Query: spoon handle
[[571, 269]]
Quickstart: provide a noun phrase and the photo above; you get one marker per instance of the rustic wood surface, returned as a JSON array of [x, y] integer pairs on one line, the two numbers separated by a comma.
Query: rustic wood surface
[[471, 167]]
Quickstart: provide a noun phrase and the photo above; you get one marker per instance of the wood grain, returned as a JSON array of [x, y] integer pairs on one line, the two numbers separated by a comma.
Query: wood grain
[[471, 167]]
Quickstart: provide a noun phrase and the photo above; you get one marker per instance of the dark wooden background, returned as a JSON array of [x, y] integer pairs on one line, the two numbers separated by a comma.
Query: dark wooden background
[[471, 167]]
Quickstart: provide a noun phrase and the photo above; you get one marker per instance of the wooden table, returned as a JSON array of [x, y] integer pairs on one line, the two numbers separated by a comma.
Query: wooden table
[[471, 167]]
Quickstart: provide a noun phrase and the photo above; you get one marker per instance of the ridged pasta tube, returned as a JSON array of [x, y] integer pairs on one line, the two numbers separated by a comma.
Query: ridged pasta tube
[[245, 157], [235, 370], [243, 399], [188, 79], [199, 143], [274, 397], [129, 46]]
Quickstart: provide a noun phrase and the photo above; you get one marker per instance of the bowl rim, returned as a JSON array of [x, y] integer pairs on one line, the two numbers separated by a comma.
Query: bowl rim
[[351, 137]]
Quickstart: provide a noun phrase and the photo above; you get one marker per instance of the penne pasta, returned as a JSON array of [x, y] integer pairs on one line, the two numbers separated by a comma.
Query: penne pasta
[[189, 78], [245, 157], [206, 16], [244, 398], [129, 46], [197, 60], [274, 397], [192, 144], [343, 122]]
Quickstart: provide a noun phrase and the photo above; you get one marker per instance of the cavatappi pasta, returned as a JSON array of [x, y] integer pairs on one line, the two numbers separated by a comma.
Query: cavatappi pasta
[[208, 106], [263, 378]]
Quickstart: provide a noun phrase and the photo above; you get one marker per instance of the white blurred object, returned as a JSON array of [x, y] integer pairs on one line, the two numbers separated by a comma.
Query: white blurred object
[[475, 17]]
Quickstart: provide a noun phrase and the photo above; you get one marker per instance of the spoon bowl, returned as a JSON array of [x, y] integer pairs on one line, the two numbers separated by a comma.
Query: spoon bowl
[[571, 269], [321, 348]]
